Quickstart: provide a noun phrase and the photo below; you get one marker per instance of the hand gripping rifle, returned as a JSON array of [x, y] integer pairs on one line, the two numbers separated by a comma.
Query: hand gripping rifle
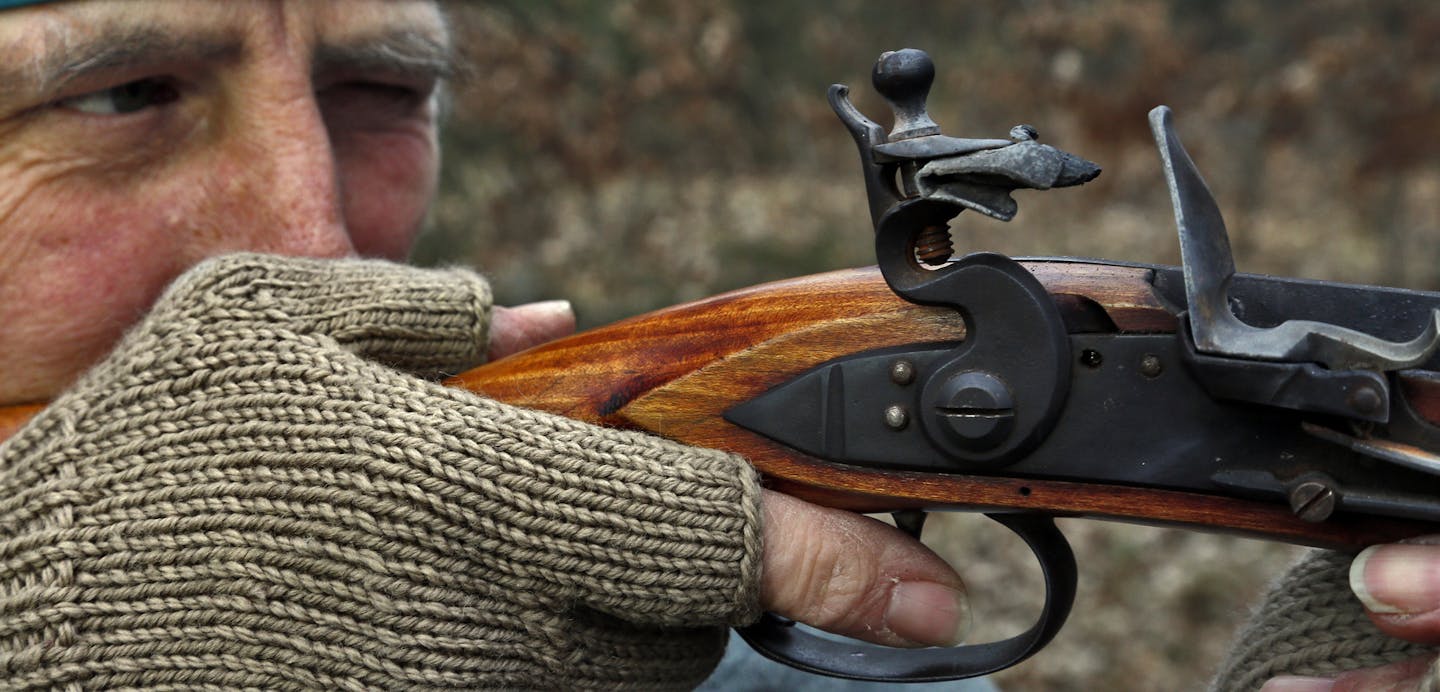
[[1294, 410]]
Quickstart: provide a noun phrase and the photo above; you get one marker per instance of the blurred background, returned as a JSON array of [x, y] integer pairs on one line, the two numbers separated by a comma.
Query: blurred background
[[634, 154]]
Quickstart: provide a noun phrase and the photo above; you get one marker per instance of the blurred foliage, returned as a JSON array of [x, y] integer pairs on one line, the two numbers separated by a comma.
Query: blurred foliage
[[634, 154]]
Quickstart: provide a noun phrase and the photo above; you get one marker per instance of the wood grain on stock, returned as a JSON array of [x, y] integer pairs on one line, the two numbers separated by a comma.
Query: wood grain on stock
[[674, 372], [12, 417]]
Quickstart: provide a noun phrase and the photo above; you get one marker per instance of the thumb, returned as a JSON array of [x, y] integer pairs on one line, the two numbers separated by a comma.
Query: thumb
[[1412, 675], [515, 329], [855, 576]]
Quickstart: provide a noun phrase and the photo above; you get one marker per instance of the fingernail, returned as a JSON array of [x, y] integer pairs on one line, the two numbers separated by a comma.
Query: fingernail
[[1397, 578], [1296, 683], [928, 613], [548, 309]]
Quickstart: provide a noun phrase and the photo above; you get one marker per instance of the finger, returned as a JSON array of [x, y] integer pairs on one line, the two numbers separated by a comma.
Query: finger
[[1404, 676], [515, 329], [1296, 683], [1400, 585], [853, 575]]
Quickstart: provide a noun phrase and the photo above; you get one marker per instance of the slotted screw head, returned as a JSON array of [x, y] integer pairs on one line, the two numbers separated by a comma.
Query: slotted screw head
[[1313, 501], [976, 409]]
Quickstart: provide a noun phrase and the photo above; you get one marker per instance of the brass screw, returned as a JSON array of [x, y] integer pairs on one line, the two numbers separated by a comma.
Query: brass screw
[[902, 372], [933, 245], [897, 417]]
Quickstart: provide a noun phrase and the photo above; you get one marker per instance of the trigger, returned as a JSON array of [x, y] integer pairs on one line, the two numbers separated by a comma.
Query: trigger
[[911, 521], [780, 640]]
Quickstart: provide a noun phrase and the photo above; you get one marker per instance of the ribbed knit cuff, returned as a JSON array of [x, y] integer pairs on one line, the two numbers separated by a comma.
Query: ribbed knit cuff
[[431, 323]]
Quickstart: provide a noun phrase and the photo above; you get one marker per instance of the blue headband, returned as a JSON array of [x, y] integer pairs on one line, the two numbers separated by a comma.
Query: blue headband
[[7, 4]]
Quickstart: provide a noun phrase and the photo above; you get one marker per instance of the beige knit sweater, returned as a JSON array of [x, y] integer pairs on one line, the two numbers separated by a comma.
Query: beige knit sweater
[[256, 489], [261, 488], [1311, 624]]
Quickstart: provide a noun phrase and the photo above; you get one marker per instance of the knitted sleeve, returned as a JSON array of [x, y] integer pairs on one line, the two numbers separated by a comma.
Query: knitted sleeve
[[242, 495], [1309, 624]]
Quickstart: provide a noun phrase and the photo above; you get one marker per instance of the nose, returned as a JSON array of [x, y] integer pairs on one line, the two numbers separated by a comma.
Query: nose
[[283, 188]]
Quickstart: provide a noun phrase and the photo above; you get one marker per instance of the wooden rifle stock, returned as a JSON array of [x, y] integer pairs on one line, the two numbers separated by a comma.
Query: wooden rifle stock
[[675, 371], [13, 417]]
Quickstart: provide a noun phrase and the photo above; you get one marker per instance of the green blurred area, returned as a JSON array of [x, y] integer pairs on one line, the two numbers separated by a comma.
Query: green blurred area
[[632, 155]]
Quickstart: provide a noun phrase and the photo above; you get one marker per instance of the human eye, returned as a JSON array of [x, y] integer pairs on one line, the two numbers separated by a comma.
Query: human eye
[[388, 96], [375, 104], [124, 99]]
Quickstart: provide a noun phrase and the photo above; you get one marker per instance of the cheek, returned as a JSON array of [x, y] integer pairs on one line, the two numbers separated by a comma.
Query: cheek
[[387, 182], [76, 269]]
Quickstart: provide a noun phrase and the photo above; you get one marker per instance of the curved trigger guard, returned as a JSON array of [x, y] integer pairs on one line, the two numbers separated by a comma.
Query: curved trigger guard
[[779, 640]]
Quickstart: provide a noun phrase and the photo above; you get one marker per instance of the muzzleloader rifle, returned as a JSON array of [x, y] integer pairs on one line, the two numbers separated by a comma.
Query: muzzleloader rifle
[[1293, 410]]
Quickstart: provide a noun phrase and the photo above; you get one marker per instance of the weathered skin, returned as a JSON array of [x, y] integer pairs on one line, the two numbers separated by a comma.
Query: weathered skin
[[245, 142]]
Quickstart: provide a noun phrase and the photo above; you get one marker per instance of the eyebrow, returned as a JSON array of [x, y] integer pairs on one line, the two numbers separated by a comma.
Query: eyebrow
[[403, 52], [65, 59]]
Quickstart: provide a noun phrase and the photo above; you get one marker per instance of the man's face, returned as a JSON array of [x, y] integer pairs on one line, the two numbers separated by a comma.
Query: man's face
[[138, 137]]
